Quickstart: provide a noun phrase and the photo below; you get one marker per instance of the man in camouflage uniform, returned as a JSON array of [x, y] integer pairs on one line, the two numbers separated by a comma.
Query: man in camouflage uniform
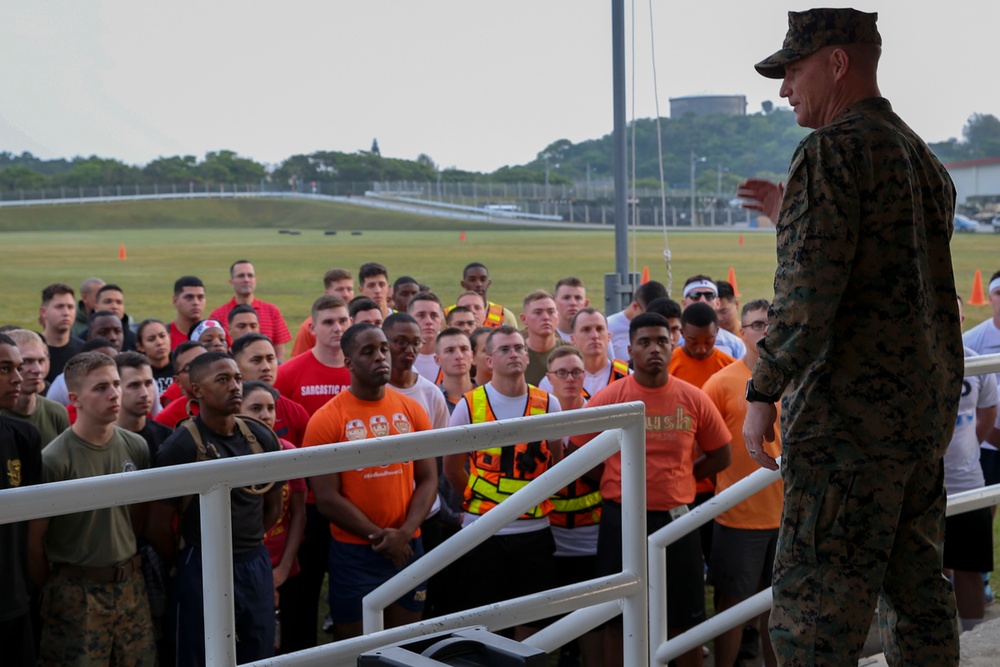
[[865, 344], [93, 604]]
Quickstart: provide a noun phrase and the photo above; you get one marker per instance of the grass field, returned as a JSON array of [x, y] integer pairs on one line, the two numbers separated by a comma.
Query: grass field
[[164, 240]]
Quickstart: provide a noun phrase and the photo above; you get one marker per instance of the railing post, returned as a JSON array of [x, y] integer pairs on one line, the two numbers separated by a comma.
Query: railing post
[[217, 577], [635, 617]]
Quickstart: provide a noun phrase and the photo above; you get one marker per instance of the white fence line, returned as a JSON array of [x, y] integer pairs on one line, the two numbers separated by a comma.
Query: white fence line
[[214, 479]]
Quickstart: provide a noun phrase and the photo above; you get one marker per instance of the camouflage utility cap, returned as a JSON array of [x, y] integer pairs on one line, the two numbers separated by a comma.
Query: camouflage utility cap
[[811, 30]]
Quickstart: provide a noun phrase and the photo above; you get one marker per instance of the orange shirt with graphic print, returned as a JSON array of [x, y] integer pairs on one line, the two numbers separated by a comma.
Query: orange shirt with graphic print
[[383, 493], [678, 414]]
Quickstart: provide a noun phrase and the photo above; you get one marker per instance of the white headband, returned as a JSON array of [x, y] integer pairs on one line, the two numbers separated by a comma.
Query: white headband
[[994, 284], [203, 327], [698, 285]]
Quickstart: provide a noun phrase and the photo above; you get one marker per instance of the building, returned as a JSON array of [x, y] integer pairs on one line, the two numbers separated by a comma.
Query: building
[[730, 105], [976, 179]]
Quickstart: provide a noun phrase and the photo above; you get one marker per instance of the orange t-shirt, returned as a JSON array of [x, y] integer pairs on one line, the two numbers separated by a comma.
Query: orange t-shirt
[[761, 511], [383, 493], [697, 371], [677, 416], [304, 338]]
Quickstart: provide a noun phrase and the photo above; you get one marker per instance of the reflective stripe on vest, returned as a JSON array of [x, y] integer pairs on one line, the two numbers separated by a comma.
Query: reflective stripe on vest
[[619, 370], [579, 504], [494, 316], [493, 474]]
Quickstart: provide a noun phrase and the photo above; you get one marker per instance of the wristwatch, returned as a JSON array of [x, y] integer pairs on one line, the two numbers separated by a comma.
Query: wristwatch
[[754, 396]]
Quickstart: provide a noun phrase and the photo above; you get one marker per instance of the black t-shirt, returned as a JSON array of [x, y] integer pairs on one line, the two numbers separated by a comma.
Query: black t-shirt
[[20, 465], [155, 434], [58, 356], [247, 509], [163, 377]]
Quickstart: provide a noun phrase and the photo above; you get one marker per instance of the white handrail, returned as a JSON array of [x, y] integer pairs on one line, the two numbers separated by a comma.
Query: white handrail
[[214, 479]]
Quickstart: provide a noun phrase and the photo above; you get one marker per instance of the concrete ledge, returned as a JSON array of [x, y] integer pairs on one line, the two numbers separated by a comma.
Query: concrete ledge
[[980, 646]]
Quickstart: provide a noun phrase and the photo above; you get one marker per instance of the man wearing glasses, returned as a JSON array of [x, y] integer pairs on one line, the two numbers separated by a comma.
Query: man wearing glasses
[[181, 358], [702, 288], [745, 536], [517, 560]]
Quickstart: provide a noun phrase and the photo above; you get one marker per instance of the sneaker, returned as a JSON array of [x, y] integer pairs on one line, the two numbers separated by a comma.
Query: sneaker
[[986, 588], [328, 624]]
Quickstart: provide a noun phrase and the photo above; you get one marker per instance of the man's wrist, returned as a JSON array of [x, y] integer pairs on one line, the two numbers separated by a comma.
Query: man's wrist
[[754, 396]]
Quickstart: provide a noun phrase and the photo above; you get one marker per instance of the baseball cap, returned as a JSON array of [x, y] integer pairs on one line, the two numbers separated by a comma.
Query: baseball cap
[[813, 29]]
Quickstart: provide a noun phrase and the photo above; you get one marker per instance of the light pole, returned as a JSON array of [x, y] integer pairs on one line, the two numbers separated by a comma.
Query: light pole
[[694, 160], [718, 190]]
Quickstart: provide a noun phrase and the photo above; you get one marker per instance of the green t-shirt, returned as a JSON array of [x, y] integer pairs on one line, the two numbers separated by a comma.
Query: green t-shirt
[[95, 538], [49, 417], [538, 361]]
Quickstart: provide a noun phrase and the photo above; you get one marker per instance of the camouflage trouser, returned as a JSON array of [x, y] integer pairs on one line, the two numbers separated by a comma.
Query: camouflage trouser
[[89, 623], [852, 535]]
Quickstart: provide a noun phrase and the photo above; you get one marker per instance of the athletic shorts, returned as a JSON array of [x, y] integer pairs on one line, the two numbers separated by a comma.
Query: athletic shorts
[[741, 564], [356, 570], [685, 567], [505, 567], [968, 541]]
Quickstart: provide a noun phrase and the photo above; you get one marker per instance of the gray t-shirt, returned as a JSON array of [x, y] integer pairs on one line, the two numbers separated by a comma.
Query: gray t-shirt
[[101, 537]]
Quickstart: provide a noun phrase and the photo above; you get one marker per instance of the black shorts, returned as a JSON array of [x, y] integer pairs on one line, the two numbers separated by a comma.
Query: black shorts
[[505, 567], [741, 565], [968, 541], [685, 567]]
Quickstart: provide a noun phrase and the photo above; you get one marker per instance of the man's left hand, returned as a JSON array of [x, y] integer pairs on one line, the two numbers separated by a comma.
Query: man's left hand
[[758, 427]]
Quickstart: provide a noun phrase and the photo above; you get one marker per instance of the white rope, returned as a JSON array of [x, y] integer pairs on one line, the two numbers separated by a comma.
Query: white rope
[[629, 205], [659, 148]]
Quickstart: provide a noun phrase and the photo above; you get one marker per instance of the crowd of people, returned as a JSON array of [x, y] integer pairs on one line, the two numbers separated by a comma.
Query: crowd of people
[[860, 346], [117, 396], [393, 359]]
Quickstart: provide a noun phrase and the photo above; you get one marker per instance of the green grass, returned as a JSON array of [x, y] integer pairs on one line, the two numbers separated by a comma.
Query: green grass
[[217, 213], [165, 240]]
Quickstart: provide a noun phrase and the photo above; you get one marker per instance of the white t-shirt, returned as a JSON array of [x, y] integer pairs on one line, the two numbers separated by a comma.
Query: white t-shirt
[[962, 471], [504, 407], [427, 367], [618, 328], [428, 395], [984, 338]]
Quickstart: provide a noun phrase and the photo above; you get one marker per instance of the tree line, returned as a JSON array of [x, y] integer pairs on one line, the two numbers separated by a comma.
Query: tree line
[[723, 148]]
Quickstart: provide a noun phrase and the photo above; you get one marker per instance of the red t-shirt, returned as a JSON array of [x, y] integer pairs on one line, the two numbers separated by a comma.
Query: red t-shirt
[[383, 493], [290, 420], [175, 411], [272, 324], [276, 538], [677, 416], [176, 336], [172, 393], [310, 383]]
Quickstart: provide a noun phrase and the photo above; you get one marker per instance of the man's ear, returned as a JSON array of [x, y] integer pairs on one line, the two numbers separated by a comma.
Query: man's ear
[[196, 392]]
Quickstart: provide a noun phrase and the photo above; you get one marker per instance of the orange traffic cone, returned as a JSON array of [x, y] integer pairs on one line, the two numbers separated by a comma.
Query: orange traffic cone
[[645, 275], [121, 251], [978, 298], [732, 281], [461, 237], [741, 239]]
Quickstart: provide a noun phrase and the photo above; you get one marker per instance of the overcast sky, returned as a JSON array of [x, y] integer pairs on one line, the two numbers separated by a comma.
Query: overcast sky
[[473, 84]]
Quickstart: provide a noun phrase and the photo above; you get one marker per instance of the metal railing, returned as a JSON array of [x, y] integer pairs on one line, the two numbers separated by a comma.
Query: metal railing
[[662, 649], [620, 427]]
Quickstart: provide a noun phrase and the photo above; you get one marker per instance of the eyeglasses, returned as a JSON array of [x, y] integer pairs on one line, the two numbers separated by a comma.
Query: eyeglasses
[[697, 296], [504, 350], [758, 326], [562, 373], [402, 343]]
